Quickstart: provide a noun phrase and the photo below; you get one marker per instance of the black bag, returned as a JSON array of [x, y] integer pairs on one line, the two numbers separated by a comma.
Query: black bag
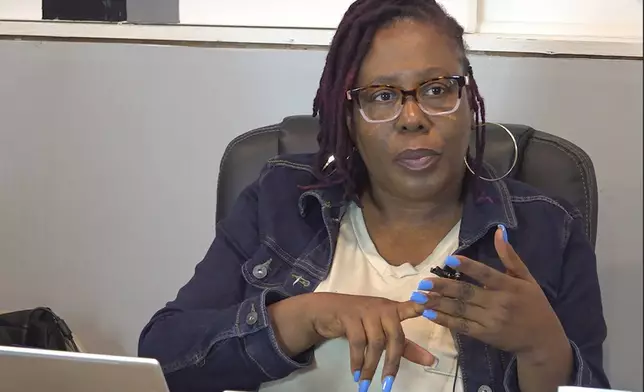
[[36, 328]]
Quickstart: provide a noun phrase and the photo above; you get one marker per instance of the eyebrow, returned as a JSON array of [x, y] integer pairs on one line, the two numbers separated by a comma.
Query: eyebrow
[[425, 75]]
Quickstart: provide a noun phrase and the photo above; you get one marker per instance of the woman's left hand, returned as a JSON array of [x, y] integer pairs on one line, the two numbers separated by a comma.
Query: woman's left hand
[[509, 312]]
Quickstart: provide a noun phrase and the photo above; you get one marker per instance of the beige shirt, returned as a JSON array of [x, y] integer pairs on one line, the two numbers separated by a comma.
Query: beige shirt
[[358, 269]]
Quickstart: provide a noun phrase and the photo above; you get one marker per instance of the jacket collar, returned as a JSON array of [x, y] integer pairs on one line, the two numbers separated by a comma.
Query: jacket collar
[[487, 204]]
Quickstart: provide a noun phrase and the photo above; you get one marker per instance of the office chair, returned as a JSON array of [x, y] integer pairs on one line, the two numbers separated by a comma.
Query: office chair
[[549, 163]]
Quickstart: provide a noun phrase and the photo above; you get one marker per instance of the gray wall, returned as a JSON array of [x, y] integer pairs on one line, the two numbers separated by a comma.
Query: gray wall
[[109, 156]]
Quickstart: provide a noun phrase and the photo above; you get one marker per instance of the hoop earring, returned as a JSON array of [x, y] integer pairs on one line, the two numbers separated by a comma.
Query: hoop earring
[[514, 161]]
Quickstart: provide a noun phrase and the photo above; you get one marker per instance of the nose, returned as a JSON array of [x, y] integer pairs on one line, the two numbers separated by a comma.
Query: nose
[[412, 118]]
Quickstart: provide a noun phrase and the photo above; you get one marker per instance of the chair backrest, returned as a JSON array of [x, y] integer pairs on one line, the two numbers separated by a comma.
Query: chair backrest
[[551, 164]]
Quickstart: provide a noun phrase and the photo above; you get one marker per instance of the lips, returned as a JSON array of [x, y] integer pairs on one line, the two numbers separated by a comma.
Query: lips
[[418, 159]]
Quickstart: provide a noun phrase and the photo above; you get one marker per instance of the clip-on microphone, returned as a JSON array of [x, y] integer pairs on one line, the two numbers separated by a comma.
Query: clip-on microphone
[[446, 272]]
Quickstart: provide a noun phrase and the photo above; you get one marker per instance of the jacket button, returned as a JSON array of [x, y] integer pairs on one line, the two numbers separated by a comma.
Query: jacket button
[[485, 388], [251, 318], [260, 271]]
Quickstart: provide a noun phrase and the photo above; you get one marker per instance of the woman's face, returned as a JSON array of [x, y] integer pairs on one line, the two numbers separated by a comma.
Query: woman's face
[[416, 155]]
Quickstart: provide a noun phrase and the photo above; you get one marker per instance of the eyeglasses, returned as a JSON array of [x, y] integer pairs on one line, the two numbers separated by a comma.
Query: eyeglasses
[[383, 103]]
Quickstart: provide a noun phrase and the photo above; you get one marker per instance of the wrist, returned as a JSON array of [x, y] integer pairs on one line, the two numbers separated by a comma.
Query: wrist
[[546, 367], [555, 350], [293, 324]]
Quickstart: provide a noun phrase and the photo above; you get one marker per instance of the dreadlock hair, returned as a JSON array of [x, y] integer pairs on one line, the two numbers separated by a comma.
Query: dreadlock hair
[[348, 49]]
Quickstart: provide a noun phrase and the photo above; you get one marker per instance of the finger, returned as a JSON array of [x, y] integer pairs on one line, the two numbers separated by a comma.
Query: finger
[[376, 341], [459, 309], [354, 331], [486, 275], [395, 347], [457, 289], [417, 354], [409, 309], [457, 324], [510, 259]]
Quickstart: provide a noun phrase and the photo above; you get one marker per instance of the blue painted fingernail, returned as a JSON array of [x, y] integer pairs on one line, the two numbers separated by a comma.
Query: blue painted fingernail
[[429, 314], [425, 285], [505, 232], [419, 298], [356, 376], [364, 385], [388, 384], [452, 262]]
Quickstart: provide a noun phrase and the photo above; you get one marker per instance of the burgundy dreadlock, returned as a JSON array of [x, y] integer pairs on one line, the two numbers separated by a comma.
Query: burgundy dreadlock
[[348, 49]]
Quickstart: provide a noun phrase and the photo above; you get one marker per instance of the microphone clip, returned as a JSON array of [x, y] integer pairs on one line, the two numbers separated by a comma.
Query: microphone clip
[[446, 272]]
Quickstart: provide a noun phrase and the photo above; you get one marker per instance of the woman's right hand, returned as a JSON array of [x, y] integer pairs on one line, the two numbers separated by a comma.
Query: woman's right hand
[[372, 326]]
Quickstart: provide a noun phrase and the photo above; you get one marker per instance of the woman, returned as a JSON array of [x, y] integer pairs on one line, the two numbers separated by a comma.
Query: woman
[[323, 252]]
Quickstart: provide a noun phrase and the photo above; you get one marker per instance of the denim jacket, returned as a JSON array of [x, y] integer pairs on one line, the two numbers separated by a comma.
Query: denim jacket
[[279, 240]]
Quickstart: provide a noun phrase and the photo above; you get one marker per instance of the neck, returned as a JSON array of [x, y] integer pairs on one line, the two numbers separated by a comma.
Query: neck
[[443, 207]]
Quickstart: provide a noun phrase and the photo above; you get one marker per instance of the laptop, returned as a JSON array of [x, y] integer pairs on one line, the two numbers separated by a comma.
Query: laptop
[[35, 370]]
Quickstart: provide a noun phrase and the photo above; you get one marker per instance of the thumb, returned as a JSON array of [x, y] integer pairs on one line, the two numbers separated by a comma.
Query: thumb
[[510, 259], [419, 355]]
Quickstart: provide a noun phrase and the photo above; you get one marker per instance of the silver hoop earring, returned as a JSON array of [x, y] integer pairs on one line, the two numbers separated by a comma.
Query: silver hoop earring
[[514, 161]]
